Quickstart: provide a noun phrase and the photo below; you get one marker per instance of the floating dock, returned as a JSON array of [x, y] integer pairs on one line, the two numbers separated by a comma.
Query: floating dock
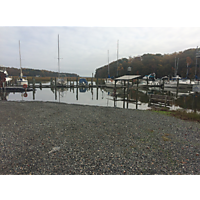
[[15, 89]]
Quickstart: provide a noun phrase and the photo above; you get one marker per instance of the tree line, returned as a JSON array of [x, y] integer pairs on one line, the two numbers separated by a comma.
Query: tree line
[[36, 72], [161, 65]]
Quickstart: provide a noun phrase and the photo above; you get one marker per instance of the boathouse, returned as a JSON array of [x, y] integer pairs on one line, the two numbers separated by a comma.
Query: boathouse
[[127, 78]]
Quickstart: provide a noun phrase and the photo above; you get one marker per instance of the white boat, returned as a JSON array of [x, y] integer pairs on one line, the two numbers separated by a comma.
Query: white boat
[[21, 80], [150, 83], [61, 82], [111, 83], [8, 79], [182, 83], [149, 80]]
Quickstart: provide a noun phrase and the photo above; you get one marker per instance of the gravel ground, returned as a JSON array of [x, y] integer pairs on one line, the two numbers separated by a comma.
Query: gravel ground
[[57, 138]]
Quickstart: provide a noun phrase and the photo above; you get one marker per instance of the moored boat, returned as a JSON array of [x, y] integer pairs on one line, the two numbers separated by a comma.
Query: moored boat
[[149, 80], [21, 80], [8, 79], [178, 81], [111, 83]]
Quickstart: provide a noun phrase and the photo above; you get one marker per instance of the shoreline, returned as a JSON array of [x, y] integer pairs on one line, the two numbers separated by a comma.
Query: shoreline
[[60, 138]]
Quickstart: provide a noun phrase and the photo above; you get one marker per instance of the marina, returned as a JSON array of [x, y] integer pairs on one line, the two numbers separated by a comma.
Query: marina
[[66, 111], [129, 96], [123, 91]]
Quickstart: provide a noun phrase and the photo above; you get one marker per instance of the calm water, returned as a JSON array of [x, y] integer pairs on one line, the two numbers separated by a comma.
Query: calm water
[[103, 97]]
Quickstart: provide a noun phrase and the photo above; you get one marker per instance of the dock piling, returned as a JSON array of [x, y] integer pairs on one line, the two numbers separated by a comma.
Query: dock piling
[[33, 82], [177, 88], [92, 80], [55, 82]]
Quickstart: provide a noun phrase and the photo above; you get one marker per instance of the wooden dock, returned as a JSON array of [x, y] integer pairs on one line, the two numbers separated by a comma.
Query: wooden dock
[[66, 86], [32, 87], [15, 89], [161, 100]]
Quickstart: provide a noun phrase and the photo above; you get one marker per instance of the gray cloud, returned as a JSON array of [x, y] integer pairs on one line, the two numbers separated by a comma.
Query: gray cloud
[[84, 49]]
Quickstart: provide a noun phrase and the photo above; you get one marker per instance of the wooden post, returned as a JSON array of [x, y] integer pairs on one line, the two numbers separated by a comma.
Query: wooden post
[[165, 100], [55, 93], [115, 91], [97, 82], [150, 100], [127, 94], [33, 82], [40, 85], [77, 93], [195, 101], [51, 82], [163, 83], [77, 82], [55, 82], [97, 92], [177, 88], [137, 95], [124, 95], [34, 93], [4, 85], [92, 80]]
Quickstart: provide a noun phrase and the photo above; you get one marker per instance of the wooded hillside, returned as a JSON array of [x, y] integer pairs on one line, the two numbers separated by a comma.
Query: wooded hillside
[[162, 65], [34, 72]]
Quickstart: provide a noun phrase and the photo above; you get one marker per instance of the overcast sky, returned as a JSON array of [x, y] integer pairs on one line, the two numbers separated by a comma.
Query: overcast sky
[[84, 47]]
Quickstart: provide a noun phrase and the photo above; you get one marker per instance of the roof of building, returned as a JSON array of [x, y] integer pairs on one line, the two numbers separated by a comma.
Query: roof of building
[[127, 77]]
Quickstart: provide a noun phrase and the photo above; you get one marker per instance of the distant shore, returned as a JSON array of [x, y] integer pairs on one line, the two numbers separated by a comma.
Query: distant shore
[[57, 138]]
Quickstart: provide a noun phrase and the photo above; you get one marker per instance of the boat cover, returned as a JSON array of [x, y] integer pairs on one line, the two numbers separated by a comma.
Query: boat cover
[[83, 81]]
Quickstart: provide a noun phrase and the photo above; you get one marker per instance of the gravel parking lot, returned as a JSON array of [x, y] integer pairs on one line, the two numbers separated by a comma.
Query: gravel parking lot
[[55, 138]]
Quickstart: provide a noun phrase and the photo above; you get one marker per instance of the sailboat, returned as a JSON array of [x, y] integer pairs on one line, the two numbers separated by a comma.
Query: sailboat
[[109, 81], [21, 80], [177, 80], [60, 81], [8, 79]]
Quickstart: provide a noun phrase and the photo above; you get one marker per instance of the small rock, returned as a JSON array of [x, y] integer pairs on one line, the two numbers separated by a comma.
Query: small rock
[[54, 149]]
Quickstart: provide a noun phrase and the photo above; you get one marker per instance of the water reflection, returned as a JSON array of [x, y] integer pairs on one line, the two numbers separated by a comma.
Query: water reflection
[[121, 97]]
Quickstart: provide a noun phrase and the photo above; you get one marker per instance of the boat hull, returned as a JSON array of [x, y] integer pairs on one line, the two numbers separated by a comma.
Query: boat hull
[[112, 85], [180, 85], [8, 79], [22, 82]]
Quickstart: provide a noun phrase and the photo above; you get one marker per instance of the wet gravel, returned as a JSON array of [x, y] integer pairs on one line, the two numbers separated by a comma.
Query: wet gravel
[[56, 138]]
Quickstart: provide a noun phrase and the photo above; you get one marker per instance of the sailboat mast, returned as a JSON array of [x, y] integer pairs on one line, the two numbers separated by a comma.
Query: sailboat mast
[[117, 54], [196, 64], [20, 61], [175, 68], [108, 65], [58, 59]]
